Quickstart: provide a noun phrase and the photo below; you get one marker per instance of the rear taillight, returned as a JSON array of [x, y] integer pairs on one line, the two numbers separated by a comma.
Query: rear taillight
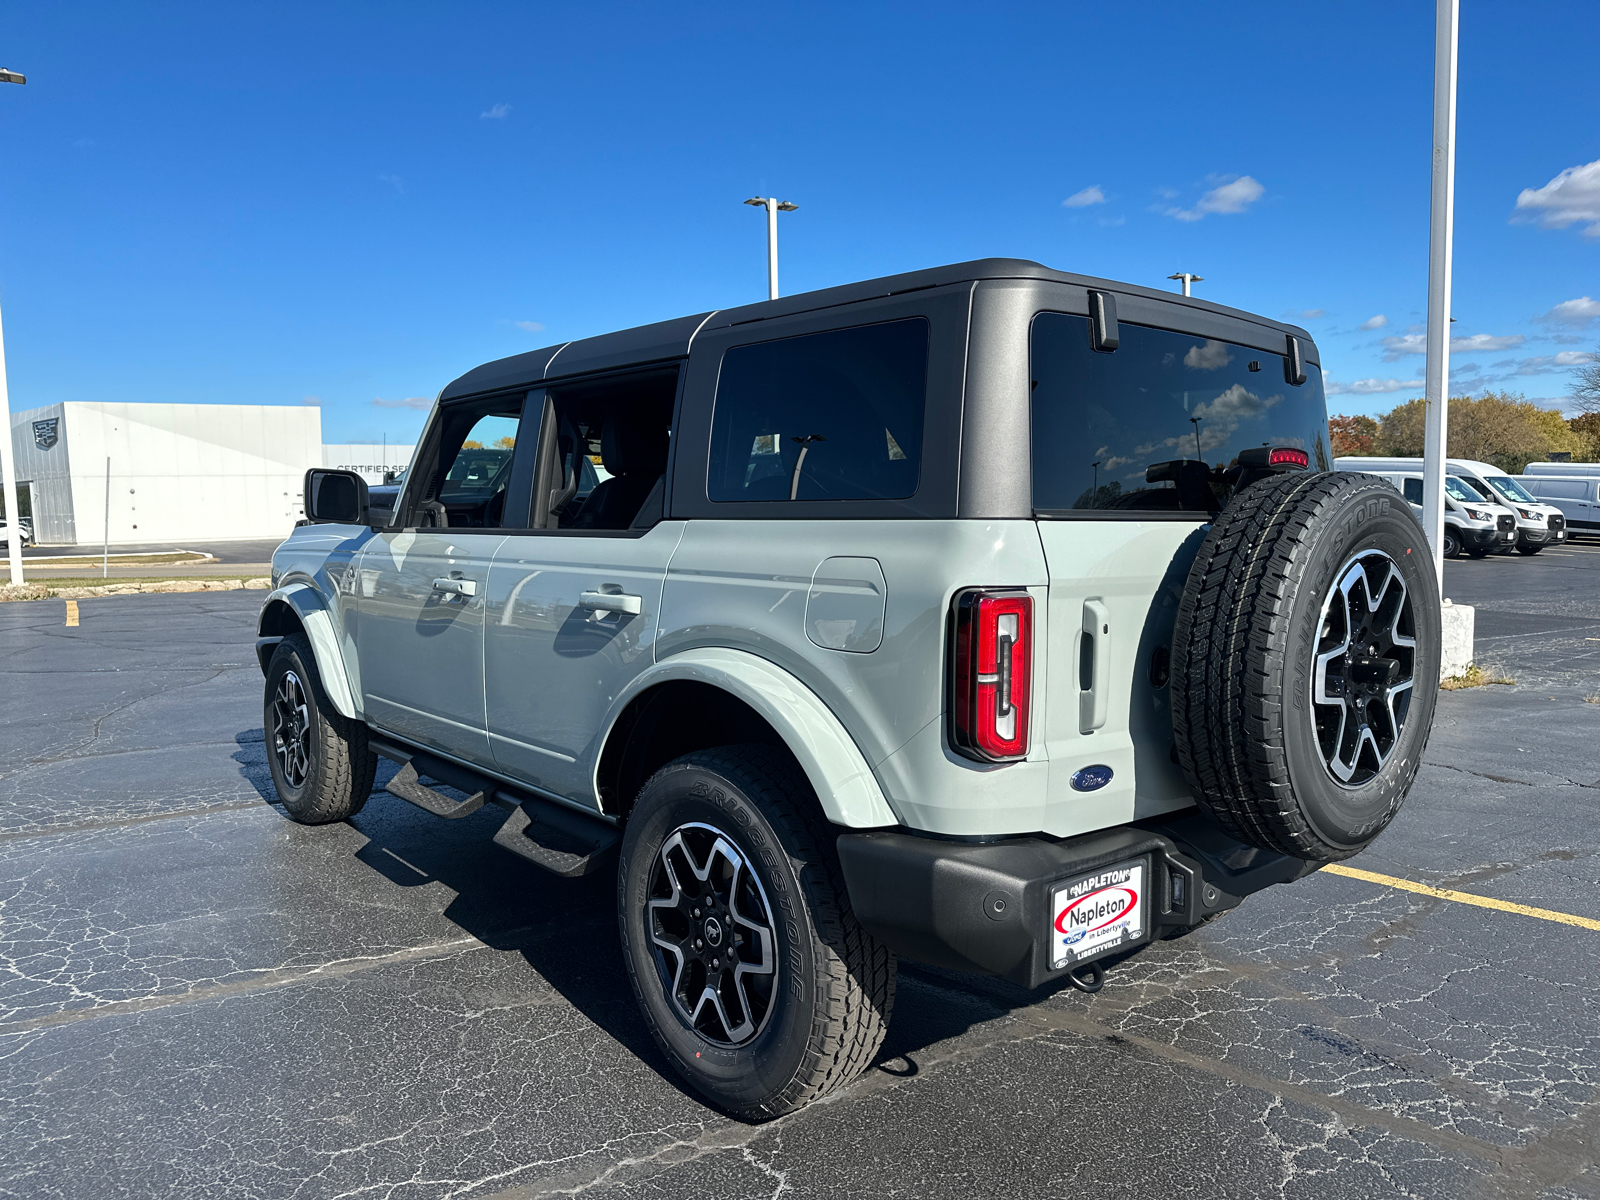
[[990, 679]]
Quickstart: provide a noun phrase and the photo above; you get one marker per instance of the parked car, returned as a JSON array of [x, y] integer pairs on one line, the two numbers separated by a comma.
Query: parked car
[[1538, 524], [25, 527], [1001, 618], [1577, 496], [1472, 524]]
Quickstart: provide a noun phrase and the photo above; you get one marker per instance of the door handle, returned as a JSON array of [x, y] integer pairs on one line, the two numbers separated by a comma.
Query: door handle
[[1094, 667], [617, 602], [459, 587]]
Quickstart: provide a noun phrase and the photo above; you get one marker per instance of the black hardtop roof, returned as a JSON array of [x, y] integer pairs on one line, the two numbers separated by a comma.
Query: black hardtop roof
[[666, 340]]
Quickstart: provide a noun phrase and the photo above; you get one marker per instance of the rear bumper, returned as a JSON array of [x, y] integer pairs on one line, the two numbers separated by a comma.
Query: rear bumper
[[985, 907]]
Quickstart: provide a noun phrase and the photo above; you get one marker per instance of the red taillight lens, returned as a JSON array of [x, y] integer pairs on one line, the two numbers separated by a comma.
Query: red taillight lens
[[990, 677], [1285, 457]]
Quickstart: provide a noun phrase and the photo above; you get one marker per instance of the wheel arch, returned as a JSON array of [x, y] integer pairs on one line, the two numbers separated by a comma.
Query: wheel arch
[[714, 697], [299, 608]]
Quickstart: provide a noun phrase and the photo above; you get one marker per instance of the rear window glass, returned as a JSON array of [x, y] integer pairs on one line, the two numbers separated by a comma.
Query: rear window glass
[[826, 416], [1101, 421]]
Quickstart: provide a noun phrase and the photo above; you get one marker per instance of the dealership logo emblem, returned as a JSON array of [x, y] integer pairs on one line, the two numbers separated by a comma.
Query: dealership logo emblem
[[45, 434]]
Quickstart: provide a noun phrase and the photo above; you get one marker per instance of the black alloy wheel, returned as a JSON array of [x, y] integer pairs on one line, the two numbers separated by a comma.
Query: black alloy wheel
[[711, 924], [1365, 669]]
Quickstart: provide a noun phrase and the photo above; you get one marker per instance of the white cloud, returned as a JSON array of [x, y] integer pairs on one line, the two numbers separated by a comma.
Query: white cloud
[[1377, 322], [1394, 348], [1231, 195], [1571, 198], [1167, 193], [408, 402], [497, 112], [530, 326], [1090, 195], [1577, 312], [1208, 357], [1543, 364], [1371, 387], [393, 181], [1305, 314]]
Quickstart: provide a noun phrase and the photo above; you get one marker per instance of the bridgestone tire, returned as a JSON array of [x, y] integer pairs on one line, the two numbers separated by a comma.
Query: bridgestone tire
[[833, 986], [327, 776], [1250, 629]]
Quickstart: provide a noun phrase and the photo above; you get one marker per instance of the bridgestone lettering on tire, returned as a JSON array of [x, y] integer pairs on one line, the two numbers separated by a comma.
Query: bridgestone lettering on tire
[[319, 760], [1305, 663], [748, 964]]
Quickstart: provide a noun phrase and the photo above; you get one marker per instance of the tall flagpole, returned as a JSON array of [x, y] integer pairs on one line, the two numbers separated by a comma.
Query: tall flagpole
[[1440, 231]]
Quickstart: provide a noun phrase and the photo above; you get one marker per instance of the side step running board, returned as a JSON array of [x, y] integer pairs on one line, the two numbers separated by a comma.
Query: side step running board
[[550, 835], [558, 839], [406, 785]]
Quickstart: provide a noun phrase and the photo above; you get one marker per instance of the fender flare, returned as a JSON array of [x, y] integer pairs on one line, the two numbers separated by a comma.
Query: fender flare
[[315, 619], [838, 771]]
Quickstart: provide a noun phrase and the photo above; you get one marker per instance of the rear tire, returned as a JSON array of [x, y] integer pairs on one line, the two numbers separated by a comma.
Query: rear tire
[[1303, 679], [319, 759], [797, 1002]]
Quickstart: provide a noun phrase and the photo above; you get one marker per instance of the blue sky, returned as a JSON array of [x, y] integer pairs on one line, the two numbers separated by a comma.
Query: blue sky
[[350, 204]]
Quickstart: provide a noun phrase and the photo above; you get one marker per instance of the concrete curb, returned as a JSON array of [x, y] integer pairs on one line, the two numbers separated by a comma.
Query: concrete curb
[[43, 591]]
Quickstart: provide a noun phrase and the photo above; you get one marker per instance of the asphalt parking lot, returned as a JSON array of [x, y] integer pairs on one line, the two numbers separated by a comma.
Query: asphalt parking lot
[[199, 998]]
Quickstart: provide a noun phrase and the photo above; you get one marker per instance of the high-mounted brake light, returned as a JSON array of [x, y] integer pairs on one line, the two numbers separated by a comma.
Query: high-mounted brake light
[[990, 677], [1282, 456]]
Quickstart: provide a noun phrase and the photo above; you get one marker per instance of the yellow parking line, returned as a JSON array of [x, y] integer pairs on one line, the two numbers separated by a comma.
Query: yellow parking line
[[1544, 914], [72, 613]]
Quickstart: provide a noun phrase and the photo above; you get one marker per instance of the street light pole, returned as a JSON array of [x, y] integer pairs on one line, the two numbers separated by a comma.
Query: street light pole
[[8, 459], [1436, 416], [1187, 279], [774, 206]]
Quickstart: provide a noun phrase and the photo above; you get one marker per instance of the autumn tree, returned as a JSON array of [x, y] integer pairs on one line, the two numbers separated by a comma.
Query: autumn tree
[[1497, 427], [1400, 430], [1352, 435]]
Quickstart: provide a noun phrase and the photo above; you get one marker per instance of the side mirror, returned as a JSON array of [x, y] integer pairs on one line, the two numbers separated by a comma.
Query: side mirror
[[338, 497]]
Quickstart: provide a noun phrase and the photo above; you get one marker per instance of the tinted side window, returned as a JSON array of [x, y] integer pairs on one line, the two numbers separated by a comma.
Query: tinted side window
[[1413, 488], [825, 416], [1101, 421]]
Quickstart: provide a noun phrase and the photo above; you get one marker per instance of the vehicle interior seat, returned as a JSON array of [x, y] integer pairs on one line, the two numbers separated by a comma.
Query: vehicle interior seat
[[635, 453]]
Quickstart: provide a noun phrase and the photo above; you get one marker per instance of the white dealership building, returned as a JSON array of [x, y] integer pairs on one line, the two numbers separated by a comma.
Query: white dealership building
[[93, 471]]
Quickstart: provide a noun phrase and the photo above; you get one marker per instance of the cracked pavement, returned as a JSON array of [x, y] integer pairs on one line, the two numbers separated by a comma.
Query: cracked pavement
[[199, 998]]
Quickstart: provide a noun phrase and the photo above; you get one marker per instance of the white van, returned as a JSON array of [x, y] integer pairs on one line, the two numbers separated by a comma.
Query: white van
[[1571, 470], [1471, 523], [1577, 496], [1539, 524]]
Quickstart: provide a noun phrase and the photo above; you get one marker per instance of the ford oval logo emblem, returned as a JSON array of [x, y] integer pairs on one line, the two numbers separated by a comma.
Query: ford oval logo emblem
[[1091, 778]]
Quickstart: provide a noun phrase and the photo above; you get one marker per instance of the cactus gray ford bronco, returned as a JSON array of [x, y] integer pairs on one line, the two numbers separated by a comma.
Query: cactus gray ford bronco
[[1000, 618]]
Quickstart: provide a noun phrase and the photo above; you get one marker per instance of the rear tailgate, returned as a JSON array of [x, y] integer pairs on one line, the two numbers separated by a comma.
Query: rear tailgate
[[1114, 592]]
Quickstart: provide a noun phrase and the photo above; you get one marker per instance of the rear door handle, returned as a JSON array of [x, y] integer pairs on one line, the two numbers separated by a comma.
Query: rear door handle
[[458, 587], [617, 602], [1094, 667]]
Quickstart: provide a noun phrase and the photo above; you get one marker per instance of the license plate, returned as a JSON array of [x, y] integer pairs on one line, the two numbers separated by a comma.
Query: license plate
[[1094, 914]]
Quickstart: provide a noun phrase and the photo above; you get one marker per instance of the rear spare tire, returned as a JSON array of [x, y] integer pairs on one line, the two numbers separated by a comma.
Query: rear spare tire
[[1305, 663]]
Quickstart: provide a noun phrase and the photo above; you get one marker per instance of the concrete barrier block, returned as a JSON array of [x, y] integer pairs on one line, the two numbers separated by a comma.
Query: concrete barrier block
[[1456, 630]]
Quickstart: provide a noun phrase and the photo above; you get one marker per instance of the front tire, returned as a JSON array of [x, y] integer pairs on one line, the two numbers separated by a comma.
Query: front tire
[[749, 966], [1452, 543], [319, 760]]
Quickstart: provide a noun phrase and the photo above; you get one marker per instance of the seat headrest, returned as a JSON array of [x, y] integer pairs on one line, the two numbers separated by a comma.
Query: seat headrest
[[633, 446]]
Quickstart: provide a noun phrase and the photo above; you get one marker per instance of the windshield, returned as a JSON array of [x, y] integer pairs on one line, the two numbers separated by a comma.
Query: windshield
[[1155, 425], [1508, 486], [1461, 491]]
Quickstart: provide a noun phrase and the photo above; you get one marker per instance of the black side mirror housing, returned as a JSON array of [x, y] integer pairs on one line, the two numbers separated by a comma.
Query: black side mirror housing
[[335, 497]]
